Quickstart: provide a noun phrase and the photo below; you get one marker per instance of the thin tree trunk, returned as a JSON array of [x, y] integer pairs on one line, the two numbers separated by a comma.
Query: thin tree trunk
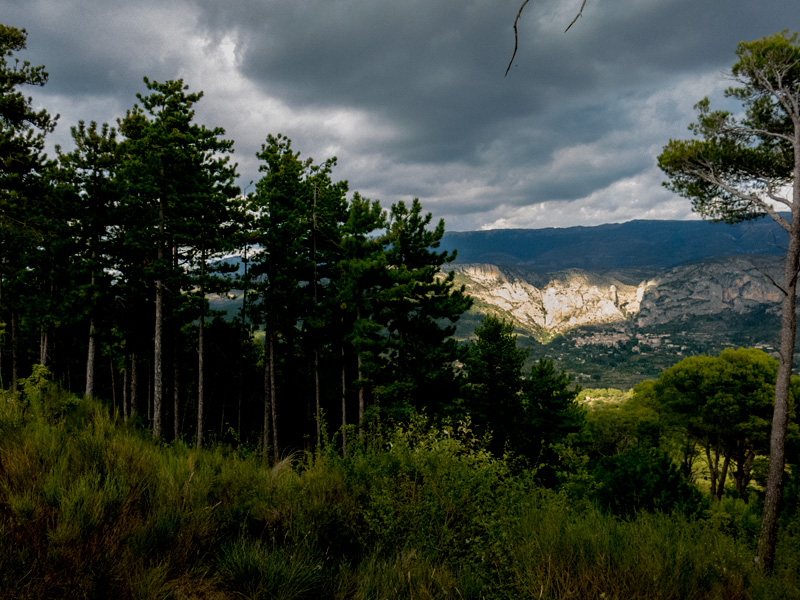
[[125, 396], [767, 537], [273, 399], [344, 406], [14, 350], [723, 476], [158, 379], [241, 388], [90, 355], [2, 335], [360, 386], [316, 304], [149, 394], [201, 351], [113, 383], [712, 471], [317, 407], [176, 398], [242, 341], [360, 398], [90, 358], [43, 347], [134, 386], [267, 400], [176, 363], [744, 469]]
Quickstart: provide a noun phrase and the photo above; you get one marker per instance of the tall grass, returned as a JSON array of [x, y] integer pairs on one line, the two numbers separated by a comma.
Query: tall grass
[[91, 508]]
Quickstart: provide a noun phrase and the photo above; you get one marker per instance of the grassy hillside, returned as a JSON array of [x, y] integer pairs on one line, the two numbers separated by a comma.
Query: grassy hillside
[[93, 508]]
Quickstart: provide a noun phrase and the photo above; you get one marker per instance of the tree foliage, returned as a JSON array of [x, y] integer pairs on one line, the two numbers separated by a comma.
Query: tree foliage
[[738, 169], [723, 403]]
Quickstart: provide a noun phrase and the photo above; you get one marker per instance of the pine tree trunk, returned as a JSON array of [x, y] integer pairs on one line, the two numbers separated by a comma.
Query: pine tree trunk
[[90, 358], [2, 386], [712, 471], [273, 397], [158, 379], [360, 387], [316, 304], [43, 347], [14, 350], [176, 334], [113, 383], [267, 400], [317, 406], [241, 388], [90, 354], [360, 398], [134, 386], [150, 394], [201, 351], [242, 340], [176, 397], [200, 382], [344, 406], [744, 469], [125, 395], [768, 534], [723, 476]]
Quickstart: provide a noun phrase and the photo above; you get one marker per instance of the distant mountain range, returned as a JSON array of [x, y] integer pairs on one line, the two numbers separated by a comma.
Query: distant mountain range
[[635, 244], [616, 304]]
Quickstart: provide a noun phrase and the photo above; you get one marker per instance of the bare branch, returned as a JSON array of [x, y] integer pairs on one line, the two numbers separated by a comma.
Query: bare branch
[[711, 178], [516, 37], [773, 196], [772, 281], [516, 33], [580, 12]]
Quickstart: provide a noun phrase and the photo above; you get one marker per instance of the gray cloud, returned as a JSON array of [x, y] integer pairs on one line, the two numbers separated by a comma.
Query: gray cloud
[[410, 95]]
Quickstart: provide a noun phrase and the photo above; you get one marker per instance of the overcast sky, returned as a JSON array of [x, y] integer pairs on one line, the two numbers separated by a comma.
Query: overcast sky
[[410, 95]]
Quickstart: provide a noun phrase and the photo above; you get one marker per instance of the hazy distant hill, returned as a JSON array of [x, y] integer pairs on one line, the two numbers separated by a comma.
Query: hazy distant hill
[[638, 244]]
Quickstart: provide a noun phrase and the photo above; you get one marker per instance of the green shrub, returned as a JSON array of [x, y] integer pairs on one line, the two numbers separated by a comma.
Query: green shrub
[[644, 479]]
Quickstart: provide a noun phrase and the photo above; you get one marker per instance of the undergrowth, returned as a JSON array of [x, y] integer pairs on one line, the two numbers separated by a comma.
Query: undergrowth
[[92, 508]]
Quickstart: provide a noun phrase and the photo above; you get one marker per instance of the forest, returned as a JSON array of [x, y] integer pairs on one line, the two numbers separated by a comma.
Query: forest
[[331, 439]]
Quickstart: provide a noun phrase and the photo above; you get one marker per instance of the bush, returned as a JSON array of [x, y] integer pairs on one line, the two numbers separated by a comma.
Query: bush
[[644, 480]]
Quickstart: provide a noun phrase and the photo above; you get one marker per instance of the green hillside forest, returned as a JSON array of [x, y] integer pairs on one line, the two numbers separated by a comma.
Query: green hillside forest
[[334, 439]]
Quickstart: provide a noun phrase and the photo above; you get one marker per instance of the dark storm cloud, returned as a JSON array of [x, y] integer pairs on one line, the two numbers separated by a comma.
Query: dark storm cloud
[[411, 95]]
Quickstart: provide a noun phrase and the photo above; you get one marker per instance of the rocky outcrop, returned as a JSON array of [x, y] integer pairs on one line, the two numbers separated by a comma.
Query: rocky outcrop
[[737, 284], [551, 304], [546, 304]]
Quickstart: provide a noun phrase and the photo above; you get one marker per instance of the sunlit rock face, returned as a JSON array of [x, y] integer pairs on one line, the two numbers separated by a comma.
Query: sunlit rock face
[[546, 304], [553, 303]]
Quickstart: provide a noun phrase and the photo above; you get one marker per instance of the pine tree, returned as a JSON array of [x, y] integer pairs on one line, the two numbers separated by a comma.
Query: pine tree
[[280, 203], [418, 309], [493, 367], [23, 187], [177, 178], [89, 188]]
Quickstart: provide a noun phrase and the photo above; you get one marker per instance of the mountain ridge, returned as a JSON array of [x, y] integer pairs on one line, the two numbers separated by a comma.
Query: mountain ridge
[[651, 244]]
